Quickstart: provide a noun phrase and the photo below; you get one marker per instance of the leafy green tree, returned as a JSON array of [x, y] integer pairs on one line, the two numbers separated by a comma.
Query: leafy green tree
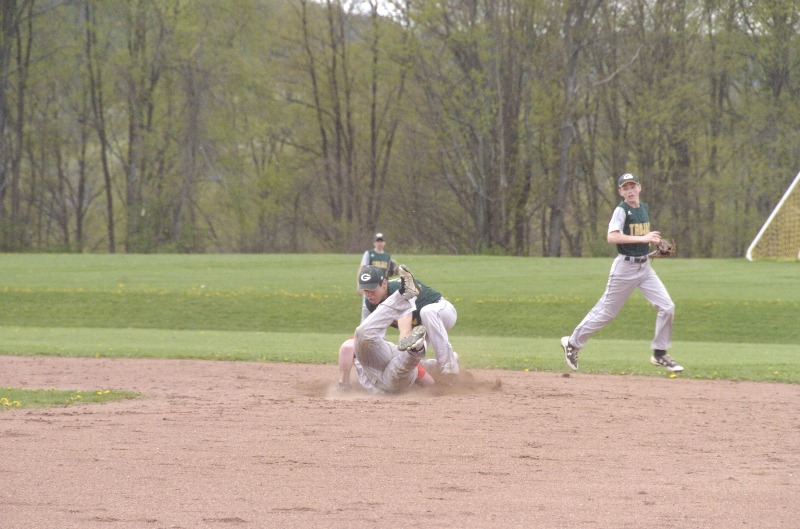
[[458, 126]]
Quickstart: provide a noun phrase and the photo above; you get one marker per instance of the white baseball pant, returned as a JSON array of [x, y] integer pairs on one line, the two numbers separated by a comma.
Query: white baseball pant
[[438, 318], [384, 365], [624, 278]]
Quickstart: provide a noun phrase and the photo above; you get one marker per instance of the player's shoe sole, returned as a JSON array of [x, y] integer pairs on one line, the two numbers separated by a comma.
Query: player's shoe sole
[[414, 342], [570, 353], [410, 287], [667, 362]]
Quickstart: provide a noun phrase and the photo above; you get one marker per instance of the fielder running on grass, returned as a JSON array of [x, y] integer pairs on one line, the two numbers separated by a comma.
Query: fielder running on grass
[[629, 229]]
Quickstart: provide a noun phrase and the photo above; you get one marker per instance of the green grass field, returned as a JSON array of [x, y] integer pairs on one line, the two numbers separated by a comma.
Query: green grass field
[[11, 398], [735, 320]]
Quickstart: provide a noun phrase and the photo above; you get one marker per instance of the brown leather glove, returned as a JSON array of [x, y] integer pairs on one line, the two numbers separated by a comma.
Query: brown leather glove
[[664, 248]]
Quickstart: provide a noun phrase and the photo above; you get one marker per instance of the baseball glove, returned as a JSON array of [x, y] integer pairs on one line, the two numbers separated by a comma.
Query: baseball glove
[[665, 248]]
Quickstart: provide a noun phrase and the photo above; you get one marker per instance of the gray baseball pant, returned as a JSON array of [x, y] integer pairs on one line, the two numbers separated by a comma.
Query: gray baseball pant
[[438, 318], [387, 367], [624, 278]]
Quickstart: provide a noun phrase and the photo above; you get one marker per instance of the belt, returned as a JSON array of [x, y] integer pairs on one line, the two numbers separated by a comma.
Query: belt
[[633, 259]]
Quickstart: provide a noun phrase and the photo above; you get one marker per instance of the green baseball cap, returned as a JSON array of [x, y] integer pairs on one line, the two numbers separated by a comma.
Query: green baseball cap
[[370, 278]]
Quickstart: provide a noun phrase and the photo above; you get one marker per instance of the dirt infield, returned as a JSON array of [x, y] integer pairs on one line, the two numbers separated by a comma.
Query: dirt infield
[[254, 445]]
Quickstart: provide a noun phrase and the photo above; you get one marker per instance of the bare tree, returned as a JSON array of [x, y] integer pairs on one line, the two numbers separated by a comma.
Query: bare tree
[[330, 86], [16, 38], [146, 33], [473, 63], [94, 82], [184, 221], [356, 116], [384, 101], [576, 36]]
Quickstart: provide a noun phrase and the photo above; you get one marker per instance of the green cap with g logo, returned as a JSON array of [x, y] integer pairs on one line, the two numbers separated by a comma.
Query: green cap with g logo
[[370, 277]]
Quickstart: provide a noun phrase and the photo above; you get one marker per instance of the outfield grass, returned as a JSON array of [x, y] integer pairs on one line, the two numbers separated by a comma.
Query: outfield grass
[[735, 320]]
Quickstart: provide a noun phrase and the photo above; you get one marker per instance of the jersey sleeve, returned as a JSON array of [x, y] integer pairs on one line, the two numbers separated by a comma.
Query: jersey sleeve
[[617, 221], [365, 258]]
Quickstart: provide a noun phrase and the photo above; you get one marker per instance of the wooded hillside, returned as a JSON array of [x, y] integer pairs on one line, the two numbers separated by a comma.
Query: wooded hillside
[[461, 126]]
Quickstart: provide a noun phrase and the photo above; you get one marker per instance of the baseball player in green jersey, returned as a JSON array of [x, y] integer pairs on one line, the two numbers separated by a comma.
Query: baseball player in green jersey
[[383, 366], [431, 310], [630, 230]]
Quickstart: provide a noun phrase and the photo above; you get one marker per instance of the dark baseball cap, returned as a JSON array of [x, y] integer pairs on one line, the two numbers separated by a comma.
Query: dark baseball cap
[[627, 177], [370, 278], [379, 236]]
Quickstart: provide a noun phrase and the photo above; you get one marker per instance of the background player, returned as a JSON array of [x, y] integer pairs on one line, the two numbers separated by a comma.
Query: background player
[[379, 257], [629, 229]]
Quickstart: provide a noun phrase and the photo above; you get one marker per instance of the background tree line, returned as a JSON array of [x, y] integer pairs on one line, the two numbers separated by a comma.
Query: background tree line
[[460, 126]]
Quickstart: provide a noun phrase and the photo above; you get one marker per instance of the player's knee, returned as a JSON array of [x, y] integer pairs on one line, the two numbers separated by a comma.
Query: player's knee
[[359, 333], [363, 336], [348, 348]]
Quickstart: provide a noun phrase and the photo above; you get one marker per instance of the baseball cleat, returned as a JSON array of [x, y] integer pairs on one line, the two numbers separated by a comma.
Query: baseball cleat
[[570, 353], [454, 366], [409, 286], [414, 342], [666, 360]]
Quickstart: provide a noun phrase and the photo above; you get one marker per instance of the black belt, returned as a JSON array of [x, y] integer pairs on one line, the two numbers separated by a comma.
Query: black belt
[[634, 259]]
